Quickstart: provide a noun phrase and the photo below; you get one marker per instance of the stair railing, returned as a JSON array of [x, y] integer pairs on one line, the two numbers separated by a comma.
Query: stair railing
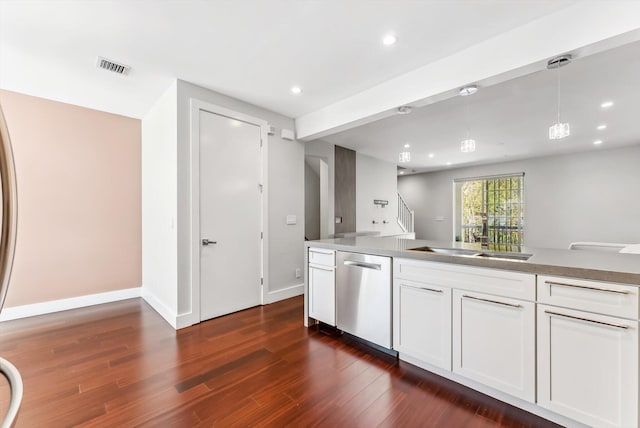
[[405, 216]]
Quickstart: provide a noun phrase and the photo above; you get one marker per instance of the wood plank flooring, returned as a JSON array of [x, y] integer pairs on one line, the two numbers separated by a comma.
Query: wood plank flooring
[[120, 365]]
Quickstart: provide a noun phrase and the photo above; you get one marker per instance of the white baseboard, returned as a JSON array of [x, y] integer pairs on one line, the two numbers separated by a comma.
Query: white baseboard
[[35, 309], [163, 310], [185, 320], [285, 293]]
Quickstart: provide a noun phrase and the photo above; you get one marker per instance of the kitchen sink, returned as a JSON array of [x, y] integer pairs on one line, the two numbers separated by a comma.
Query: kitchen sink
[[473, 253], [503, 256], [448, 251]]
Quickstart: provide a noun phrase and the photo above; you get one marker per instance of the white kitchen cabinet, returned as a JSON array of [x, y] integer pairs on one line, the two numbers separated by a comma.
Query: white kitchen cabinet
[[588, 366], [494, 342], [322, 285], [422, 322]]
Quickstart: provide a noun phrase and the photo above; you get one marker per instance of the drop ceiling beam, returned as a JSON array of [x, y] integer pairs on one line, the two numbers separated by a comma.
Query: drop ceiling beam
[[583, 28]]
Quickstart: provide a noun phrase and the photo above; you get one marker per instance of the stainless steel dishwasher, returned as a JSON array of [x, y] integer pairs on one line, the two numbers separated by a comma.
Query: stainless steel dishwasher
[[363, 296]]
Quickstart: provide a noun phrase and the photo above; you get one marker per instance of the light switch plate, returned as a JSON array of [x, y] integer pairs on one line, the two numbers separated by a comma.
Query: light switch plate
[[292, 219]]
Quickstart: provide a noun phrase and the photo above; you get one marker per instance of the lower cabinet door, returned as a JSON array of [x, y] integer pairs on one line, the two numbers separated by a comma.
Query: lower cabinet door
[[494, 342], [322, 294], [588, 367], [423, 322]]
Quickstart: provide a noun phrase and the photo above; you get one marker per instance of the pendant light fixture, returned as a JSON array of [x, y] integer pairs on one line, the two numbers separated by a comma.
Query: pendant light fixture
[[559, 129], [468, 145]]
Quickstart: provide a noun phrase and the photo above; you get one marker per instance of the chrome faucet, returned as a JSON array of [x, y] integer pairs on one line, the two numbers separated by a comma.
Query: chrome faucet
[[484, 238]]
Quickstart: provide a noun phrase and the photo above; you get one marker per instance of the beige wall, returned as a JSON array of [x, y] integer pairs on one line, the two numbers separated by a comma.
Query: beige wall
[[79, 200]]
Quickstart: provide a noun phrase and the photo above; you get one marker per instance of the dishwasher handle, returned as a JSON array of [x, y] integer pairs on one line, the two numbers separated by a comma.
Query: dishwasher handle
[[363, 264]]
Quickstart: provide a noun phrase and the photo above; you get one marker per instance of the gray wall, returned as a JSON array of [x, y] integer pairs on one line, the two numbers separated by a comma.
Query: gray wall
[[311, 202], [345, 189], [588, 196]]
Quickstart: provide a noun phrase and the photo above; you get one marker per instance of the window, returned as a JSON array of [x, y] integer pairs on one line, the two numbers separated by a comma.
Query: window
[[490, 210]]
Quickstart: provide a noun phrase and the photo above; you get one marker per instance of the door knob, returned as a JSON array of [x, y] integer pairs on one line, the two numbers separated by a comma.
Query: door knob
[[208, 242]]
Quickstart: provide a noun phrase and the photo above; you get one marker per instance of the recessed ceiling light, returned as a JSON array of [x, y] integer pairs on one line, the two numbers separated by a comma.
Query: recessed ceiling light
[[406, 146], [401, 172], [389, 40], [468, 90], [601, 127], [448, 163], [597, 142], [431, 155], [296, 90], [606, 104]]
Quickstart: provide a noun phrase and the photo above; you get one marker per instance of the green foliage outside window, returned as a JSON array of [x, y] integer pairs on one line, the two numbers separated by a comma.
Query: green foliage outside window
[[492, 211]]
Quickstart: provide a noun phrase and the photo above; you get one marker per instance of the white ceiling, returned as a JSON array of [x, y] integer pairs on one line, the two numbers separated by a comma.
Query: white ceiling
[[254, 50], [510, 120]]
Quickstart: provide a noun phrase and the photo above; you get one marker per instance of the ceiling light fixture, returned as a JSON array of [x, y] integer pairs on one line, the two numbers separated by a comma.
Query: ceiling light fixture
[[468, 145], [404, 157], [448, 163], [296, 90], [389, 40], [406, 146], [468, 90], [401, 172], [431, 155], [606, 104], [559, 129], [404, 109], [601, 127], [597, 142]]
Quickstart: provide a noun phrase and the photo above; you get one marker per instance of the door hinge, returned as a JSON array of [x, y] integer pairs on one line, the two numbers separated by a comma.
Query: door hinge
[[261, 235], [260, 188], [261, 281], [260, 142]]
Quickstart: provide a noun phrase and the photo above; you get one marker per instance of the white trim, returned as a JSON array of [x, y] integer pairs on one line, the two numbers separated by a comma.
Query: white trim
[[163, 310], [285, 293], [35, 309], [194, 316]]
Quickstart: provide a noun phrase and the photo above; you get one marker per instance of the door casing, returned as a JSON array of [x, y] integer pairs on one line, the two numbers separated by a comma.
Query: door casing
[[194, 140]]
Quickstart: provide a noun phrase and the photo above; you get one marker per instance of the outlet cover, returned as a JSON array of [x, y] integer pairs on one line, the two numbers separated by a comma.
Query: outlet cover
[[298, 273]]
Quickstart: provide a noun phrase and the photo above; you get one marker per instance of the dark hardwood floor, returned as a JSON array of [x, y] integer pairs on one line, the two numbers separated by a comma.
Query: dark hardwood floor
[[120, 365]]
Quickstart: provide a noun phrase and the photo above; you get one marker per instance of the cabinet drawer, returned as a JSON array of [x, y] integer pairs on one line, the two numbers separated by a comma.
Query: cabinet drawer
[[516, 285], [321, 256], [601, 297]]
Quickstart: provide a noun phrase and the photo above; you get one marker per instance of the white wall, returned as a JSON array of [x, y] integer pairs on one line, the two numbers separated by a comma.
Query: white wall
[[326, 152], [159, 196], [376, 179], [285, 192], [588, 196]]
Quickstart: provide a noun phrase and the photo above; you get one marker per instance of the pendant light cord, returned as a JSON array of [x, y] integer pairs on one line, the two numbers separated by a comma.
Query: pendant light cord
[[558, 93]]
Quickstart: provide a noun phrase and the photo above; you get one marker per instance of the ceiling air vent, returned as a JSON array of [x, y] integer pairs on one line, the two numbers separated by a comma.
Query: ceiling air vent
[[107, 64]]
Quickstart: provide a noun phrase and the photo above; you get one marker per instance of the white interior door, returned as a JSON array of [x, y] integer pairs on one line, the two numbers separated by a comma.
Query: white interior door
[[230, 215]]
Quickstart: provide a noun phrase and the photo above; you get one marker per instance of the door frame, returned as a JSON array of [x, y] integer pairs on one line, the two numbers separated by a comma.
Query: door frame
[[194, 141]]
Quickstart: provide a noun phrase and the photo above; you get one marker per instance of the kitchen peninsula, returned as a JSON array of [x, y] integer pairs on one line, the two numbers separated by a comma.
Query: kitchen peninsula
[[554, 332]]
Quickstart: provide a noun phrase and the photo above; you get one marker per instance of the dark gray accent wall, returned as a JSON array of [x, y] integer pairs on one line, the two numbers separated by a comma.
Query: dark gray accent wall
[[345, 189]]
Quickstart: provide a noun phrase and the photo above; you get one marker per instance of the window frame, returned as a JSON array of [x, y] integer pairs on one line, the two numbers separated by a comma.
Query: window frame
[[501, 233]]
